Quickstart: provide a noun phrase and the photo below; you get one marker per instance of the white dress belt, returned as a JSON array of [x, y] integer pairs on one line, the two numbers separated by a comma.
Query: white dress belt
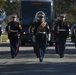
[[62, 30], [42, 32]]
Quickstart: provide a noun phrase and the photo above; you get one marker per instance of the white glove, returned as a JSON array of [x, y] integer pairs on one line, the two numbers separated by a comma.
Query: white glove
[[34, 38], [49, 37]]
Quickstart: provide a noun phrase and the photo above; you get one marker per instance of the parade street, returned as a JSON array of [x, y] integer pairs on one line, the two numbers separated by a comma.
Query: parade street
[[26, 63]]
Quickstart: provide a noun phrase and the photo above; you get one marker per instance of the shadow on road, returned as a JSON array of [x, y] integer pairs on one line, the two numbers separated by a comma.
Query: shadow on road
[[50, 53], [47, 68], [4, 44], [8, 44], [15, 66]]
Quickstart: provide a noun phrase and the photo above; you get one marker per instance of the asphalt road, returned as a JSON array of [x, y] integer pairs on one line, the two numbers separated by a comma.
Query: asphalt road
[[26, 62]]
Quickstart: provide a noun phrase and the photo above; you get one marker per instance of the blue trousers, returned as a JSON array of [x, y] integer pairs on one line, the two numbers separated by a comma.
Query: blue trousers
[[60, 46], [56, 46], [41, 47], [14, 46], [35, 47]]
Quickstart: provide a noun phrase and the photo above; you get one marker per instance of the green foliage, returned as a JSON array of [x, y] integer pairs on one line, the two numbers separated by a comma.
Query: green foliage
[[1, 3], [66, 6], [12, 8], [60, 6], [4, 38]]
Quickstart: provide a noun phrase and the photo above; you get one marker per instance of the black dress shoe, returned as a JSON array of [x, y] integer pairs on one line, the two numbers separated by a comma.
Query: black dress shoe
[[40, 60], [13, 56], [61, 56], [16, 53]]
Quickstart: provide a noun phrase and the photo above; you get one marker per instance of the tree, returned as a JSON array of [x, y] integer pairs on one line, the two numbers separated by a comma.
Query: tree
[[66, 6], [12, 8], [1, 3]]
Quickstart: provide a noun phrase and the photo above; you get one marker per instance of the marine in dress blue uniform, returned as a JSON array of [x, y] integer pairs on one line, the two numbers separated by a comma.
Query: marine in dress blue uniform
[[61, 33], [41, 29], [14, 32]]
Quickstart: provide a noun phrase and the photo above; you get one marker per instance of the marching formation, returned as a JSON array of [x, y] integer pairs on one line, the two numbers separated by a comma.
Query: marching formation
[[41, 34]]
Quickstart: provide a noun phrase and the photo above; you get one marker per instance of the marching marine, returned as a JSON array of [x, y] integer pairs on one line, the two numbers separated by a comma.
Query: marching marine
[[14, 33], [40, 29], [61, 32]]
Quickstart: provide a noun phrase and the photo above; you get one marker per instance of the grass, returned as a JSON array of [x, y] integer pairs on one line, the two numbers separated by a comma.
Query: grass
[[4, 38]]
